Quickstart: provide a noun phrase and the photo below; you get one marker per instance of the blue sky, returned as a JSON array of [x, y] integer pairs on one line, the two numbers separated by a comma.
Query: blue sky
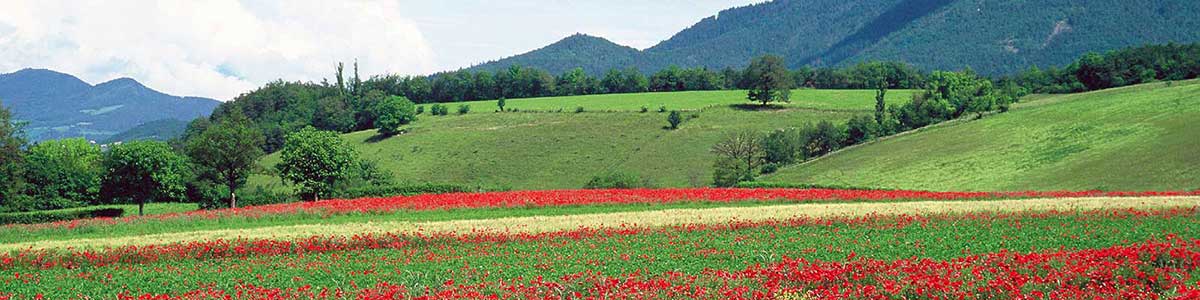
[[221, 48]]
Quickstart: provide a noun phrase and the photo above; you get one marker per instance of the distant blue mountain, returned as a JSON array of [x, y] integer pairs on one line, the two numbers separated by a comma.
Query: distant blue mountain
[[58, 105]]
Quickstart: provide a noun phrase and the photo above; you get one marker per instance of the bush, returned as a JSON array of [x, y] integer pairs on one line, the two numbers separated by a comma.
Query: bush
[[578, 109], [645, 109], [769, 168], [59, 215], [464, 109], [783, 146], [618, 180], [662, 109], [784, 185], [401, 190], [420, 110], [27, 203], [674, 119]]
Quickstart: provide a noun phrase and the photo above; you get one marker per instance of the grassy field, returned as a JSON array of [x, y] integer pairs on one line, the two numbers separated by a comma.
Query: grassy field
[[564, 150], [648, 248], [689, 100], [551, 219], [1141, 137]]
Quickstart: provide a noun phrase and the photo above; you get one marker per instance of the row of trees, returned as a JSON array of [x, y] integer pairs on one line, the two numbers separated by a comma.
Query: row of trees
[[208, 165], [946, 96], [1130, 66]]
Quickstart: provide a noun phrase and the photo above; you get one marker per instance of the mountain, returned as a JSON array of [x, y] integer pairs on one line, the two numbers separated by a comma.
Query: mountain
[[595, 55], [58, 105], [158, 130], [989, 36]]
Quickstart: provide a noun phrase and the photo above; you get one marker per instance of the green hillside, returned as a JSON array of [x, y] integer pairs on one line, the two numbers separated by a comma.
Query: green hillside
[[564, 150], [1140, 137]]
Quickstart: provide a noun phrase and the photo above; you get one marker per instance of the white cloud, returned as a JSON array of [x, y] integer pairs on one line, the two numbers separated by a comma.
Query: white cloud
[[217, 48]]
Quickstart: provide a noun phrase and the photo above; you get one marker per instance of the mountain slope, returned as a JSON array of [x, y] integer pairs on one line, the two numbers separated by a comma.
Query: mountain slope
[[1133, 138], [989, 36], [595, 55], [58, 105]]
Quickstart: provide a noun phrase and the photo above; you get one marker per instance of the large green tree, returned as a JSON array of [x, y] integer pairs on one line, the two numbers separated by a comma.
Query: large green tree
[[12, 140], [144, 171], [395, 111], [315, 160], [225, 152], [769, 80], [67, 169]]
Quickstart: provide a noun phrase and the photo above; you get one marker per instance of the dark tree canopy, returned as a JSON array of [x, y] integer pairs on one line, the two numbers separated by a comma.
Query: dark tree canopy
[[769, 80]]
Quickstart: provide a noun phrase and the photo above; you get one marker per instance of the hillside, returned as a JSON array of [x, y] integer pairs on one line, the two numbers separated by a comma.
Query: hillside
[[530, 150], [1133, 138], [992, 37], [158, 130], [58, 105], [594, 54]]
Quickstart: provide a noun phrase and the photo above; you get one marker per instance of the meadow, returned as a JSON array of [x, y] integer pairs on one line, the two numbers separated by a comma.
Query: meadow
[[529, 150], [1130, 138], [680, 243]]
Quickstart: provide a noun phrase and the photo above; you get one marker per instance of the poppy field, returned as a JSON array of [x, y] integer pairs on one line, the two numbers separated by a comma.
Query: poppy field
[[1143, 245]]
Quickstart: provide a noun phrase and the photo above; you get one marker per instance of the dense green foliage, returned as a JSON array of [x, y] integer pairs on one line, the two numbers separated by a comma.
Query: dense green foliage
[[393, 112], [47, 216], [1123, 67], [226, 153], [12, 159], [1133, 138], [144, 171], [768, 80], [67, 169], [315, 160]]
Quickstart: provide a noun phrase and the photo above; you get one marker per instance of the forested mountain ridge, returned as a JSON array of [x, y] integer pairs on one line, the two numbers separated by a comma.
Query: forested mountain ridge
[[58, 105], [989, 36]]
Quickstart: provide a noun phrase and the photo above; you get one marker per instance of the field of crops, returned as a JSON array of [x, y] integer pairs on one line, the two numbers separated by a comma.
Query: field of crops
[[647, 243]]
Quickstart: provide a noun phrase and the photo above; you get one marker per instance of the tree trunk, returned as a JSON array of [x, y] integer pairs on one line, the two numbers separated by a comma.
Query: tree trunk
[[232, 199], [141, 204]]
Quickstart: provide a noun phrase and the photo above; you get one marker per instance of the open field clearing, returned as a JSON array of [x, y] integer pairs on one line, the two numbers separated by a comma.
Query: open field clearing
[[1132, 138], [651, 218], [863, 100]]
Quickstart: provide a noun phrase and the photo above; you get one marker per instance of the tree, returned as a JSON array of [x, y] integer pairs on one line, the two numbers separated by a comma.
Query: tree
[[66, 169], [501, 103], [226, 152], [315, 160], [674, 119], [143, 171], [783, 146], [393, 112], [860, 129], [769, 80], [738, 155], [12, 140]]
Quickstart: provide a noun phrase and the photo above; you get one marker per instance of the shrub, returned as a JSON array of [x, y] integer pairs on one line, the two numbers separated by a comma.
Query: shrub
[[674, 119], [59, 215], [420, 110], [401, 190], [618, 180], [662, 109], [769, 168], [645, 109], [785, 185], [464, 109], [783, 146], [578, 109]]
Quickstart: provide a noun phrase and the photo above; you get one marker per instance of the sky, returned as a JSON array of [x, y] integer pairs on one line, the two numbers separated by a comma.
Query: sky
[[222, 48]]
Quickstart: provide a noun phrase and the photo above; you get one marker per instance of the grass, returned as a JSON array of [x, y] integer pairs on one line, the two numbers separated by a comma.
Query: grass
[[536, 220], [430, 263], [1141, 137], [561, 150], [688, 100]]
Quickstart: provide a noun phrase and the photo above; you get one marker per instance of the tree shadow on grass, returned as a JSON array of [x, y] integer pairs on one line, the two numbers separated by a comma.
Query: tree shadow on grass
[[379, 137], [757, 107]]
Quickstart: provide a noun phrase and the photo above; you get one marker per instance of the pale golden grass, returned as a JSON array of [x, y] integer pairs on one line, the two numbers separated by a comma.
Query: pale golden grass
[[666, 217]]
